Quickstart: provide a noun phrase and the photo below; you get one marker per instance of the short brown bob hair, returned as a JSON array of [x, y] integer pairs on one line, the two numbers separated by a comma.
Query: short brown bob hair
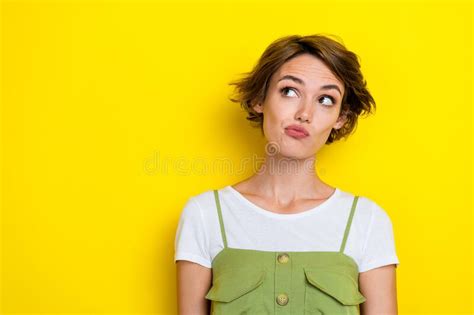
[[344, 64]]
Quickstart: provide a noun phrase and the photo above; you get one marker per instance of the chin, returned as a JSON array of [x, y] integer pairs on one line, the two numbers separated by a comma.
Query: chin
[[294, 153]]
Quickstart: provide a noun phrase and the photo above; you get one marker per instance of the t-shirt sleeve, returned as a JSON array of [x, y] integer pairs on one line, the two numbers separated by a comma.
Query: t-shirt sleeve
[[379, 249], [191, 242]]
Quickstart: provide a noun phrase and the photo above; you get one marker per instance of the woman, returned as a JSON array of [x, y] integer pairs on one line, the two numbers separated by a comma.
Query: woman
[[283, 241]]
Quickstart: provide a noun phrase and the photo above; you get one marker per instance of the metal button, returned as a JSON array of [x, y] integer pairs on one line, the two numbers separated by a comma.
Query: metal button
[[283, 258], [282, 299]]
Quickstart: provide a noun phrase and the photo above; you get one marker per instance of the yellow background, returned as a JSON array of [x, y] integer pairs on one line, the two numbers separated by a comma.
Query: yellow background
[[114, 112]]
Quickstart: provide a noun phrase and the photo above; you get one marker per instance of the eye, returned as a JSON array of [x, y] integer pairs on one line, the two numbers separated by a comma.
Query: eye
[[327, 97], [285, 89]]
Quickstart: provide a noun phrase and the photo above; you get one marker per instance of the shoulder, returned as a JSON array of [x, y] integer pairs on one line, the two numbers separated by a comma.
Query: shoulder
[[204, 200], [202, 205], [197, 205], [367, 209], [378, 215]]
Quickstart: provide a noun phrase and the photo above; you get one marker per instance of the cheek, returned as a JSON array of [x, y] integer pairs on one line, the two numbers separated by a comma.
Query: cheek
[[324, 118], [276, 113]]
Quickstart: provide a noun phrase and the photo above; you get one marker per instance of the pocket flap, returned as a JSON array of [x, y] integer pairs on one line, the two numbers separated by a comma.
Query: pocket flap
[[335, 283], [234, 283]]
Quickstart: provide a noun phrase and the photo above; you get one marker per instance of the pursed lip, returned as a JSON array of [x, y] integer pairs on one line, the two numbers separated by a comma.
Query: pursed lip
[[298, 128]]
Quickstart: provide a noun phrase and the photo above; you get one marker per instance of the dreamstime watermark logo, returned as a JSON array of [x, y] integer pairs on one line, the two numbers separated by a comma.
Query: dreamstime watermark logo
[[272, 162], [272, 148], [157, 164]]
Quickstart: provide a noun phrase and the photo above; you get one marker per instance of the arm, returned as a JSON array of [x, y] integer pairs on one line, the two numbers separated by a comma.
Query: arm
[[193, 261], [377, 276], [378, 285], [194, 281]]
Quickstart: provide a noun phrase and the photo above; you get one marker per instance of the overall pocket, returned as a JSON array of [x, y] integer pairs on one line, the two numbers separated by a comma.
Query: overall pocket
[[331, 291], [237, 291]]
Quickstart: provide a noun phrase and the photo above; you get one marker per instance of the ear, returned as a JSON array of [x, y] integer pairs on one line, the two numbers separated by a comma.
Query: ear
[[258, 107], [341, 120]]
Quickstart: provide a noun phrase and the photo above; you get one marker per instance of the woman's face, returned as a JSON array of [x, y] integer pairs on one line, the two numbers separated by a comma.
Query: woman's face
[[306, 93]]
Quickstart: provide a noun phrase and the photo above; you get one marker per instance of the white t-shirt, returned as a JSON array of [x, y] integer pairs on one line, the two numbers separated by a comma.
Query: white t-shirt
[[370, 241]]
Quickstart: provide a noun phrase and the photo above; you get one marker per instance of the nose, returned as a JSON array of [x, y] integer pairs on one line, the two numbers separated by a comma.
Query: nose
[[305, 112]]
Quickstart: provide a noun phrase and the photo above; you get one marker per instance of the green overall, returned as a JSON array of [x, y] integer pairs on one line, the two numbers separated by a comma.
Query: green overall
[[247, 281]]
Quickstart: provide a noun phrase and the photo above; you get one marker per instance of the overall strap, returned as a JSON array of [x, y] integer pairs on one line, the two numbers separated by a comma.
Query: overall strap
[[348, 225], [221, 221]]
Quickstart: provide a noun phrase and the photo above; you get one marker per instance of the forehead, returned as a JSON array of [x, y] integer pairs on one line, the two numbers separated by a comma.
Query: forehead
[[310, 69]]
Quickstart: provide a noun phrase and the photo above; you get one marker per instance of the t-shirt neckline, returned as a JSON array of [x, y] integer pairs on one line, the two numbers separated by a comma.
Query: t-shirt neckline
[[324, 205]]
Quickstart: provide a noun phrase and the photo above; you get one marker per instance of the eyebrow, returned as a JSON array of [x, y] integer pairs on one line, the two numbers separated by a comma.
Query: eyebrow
[[298, 80]]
